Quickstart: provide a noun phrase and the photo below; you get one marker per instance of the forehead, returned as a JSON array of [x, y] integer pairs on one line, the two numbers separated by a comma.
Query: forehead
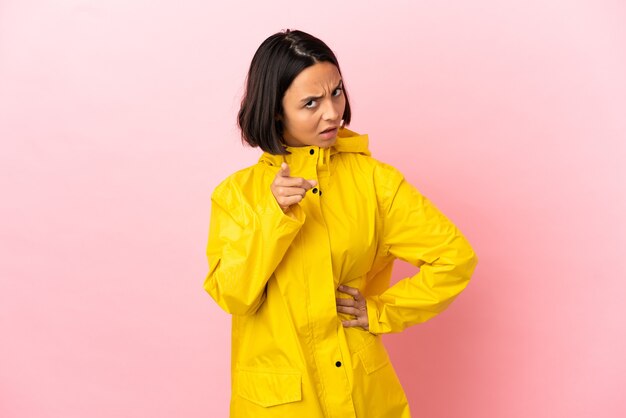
[[317, 78]]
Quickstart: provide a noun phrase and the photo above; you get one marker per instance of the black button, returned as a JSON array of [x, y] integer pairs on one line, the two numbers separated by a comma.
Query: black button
[[311, 152], [338, 364], [320, 192], [315, 190]]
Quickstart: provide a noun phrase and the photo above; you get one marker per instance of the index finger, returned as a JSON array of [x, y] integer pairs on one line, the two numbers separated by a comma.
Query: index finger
[[284, 170], [293, 182]]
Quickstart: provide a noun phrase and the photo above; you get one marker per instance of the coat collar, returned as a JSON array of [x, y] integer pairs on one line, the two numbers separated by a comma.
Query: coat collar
[[347, 141]]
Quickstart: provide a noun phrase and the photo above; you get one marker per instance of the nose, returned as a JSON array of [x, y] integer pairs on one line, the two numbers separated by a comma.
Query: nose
[[332, 111]]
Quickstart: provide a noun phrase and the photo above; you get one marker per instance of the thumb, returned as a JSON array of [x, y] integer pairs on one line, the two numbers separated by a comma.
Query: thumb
[[313, 183]]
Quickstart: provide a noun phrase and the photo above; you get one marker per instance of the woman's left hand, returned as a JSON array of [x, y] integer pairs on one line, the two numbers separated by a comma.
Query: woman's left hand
[[356, 305]]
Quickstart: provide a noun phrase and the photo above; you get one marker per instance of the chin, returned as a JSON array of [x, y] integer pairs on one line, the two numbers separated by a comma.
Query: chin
[[328, 143]]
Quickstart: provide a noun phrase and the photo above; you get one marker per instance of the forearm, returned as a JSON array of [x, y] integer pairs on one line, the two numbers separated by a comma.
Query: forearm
[[420, 297], [243, 255]]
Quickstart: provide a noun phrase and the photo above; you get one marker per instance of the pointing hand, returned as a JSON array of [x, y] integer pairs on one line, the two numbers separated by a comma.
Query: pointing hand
[[289, 190]]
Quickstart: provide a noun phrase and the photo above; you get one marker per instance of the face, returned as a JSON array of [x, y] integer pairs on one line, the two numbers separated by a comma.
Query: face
[[313, 107]]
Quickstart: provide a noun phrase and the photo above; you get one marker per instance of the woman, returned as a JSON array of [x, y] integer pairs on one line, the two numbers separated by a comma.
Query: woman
[[301, 247]]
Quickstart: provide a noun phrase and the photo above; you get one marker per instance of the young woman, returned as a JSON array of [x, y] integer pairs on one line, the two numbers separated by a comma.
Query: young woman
[[301, 247]]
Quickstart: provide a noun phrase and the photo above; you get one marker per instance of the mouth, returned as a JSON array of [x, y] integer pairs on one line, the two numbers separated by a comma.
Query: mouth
[[332, 129]]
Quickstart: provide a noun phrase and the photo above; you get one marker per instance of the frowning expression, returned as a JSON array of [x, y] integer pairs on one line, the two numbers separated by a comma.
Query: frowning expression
[[313, 107]]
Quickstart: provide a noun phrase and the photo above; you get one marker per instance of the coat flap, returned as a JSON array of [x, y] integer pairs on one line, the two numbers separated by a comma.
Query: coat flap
[[269, 387]]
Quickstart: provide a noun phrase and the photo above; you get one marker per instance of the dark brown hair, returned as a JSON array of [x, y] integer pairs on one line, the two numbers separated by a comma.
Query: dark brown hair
[[276, 63]]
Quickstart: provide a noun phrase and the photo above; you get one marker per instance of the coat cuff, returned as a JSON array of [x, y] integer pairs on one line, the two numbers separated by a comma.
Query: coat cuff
[[372, 316]]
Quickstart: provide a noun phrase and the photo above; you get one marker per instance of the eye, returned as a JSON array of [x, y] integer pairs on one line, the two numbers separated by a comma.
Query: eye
[[311, 104], [337, 92]]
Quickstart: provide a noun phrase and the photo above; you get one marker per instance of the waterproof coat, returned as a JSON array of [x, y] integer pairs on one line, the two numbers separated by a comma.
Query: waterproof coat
[[277, 274]]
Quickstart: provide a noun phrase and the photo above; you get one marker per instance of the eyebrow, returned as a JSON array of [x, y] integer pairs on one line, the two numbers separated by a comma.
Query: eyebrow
[[308, 99]]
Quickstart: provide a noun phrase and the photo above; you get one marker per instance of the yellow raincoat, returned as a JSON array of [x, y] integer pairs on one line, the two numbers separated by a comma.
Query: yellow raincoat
[[277, 274]]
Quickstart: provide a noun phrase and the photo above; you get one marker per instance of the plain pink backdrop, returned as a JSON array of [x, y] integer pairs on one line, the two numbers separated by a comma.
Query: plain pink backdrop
[[117, 119]]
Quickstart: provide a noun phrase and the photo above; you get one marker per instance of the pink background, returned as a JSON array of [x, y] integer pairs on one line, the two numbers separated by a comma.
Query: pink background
[[117, 119]]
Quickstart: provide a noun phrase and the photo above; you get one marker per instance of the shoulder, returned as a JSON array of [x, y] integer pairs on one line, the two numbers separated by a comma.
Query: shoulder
[[386, 175], [242, 185], [369, 172], [384, 179], [383, 175], [353, 151]]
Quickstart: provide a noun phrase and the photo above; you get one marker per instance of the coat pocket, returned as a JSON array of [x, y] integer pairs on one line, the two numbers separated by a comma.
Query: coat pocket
[[373, 356], [269, 387]]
